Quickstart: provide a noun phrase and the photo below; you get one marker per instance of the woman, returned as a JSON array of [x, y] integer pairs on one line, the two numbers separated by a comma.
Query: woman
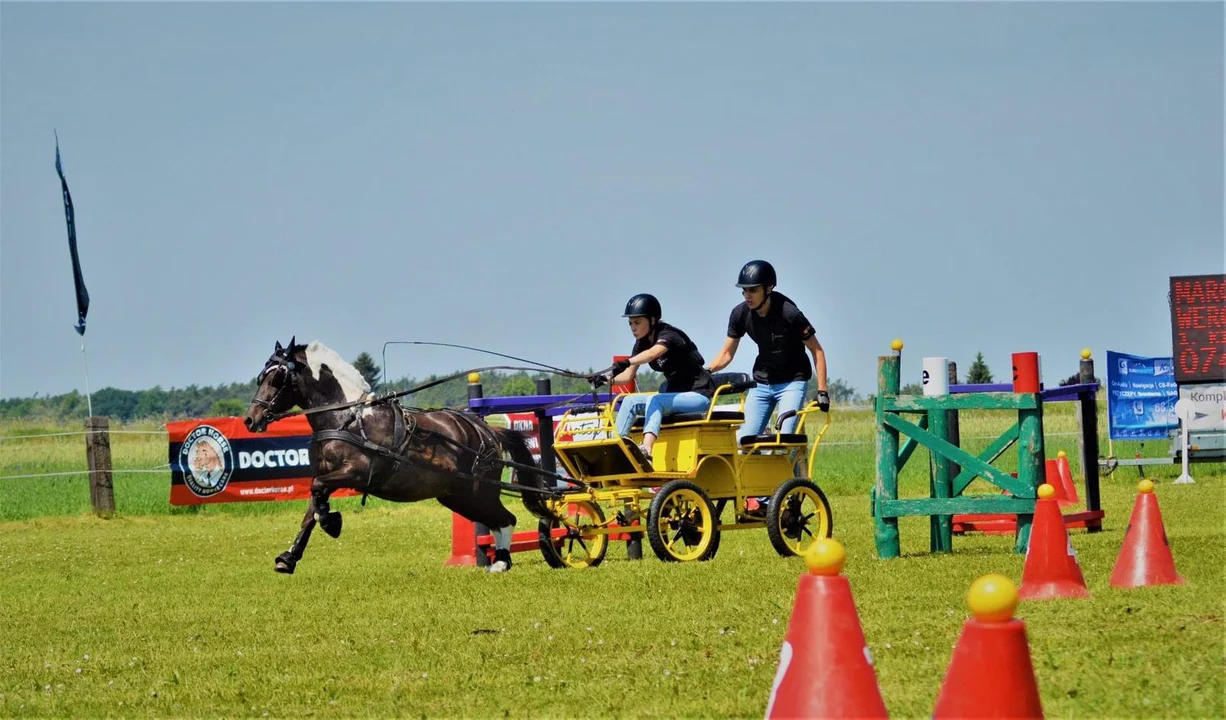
[[687, 387]]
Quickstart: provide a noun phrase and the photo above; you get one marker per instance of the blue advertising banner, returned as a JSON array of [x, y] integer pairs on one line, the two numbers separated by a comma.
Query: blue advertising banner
[[1141, 397]]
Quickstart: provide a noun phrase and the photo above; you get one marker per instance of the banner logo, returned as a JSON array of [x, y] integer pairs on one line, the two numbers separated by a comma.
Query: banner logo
[[207, 461]]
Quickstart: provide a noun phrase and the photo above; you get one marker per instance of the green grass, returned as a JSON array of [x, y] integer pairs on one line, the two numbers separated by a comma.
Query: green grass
[[179, 613]]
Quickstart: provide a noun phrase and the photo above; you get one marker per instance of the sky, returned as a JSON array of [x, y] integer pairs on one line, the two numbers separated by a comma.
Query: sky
[[983, 177]]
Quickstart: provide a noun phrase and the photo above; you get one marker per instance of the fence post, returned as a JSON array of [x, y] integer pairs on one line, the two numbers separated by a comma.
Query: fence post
[[1031, 457], [955, 433], [98, 457], [885, 529], [1087, 438]]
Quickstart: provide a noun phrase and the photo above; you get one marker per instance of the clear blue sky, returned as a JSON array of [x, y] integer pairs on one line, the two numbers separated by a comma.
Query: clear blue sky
[[966, 176]]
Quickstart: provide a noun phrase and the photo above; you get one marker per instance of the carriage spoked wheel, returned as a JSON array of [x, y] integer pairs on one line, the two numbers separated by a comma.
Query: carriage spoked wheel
[[681, 523], [797, 515], [577, 546]]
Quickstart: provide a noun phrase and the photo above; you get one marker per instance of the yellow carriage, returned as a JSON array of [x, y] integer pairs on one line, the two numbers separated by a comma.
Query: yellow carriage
[[697, 472]]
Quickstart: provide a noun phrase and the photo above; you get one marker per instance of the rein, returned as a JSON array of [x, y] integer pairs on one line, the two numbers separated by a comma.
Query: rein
[[376, 399]]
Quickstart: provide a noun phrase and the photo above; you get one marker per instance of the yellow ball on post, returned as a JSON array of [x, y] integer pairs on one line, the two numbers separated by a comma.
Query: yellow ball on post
[[825, 557], [896, 344], [992, 598], [1085, 353], [474, 378]]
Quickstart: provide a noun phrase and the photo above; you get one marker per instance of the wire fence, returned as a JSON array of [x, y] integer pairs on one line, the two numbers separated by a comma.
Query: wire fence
[[166, 467]]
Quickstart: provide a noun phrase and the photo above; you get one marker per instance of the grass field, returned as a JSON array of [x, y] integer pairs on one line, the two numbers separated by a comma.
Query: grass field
[[161, 612]]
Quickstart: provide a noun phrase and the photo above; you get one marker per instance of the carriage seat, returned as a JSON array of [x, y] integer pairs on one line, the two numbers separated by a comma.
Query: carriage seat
[[738, 382], [786, 438], [716, 416]]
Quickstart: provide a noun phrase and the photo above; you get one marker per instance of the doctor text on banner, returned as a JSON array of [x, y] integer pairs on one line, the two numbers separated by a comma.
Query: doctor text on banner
[[218, 460], [1141, 396]]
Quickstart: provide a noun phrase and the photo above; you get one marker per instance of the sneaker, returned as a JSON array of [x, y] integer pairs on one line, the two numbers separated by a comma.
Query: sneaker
[[646, 458]]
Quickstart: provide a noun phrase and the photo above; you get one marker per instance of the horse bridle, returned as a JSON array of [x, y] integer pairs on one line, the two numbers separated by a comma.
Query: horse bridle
[[276, 362]]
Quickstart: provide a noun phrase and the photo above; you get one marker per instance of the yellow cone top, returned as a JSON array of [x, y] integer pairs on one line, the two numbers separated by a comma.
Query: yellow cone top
[[1085, 353], [1046, 491], [825, 557], [1145, 486], [474, 378], [992, 598], [1061, 454], [896, 344]]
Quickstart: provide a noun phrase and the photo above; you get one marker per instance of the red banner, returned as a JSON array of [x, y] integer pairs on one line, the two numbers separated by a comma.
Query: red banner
[[217, 460]]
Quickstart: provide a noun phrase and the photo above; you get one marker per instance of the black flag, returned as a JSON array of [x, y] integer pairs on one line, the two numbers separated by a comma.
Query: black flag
[[77, 279]]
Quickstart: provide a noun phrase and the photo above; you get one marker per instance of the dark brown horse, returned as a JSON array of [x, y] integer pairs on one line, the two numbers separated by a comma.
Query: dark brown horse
[[388, 451]]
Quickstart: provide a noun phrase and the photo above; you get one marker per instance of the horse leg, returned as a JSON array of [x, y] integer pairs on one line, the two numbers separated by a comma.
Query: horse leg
[[485, 506], [288, 560], [321, 489]]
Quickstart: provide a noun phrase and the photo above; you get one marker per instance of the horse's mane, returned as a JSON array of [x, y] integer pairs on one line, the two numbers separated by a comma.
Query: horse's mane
[[352, 383]]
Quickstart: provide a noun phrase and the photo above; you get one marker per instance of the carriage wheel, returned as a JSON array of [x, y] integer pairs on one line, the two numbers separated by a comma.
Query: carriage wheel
[[681, 524], [798, 515], [579, 547]]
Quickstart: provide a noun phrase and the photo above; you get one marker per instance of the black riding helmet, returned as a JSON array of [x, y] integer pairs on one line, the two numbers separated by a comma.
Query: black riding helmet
[[755, 273], [643, 305]]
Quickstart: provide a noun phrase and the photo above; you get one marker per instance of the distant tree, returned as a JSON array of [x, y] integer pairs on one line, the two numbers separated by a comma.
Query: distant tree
[[365, 364], [518, 386], [115, 403], [979, 372], [228, 408], [1076, 379], [841, 393], [912, 389]]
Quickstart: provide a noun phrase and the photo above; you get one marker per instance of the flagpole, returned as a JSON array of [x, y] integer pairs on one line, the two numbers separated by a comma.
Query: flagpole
[[89, 403]]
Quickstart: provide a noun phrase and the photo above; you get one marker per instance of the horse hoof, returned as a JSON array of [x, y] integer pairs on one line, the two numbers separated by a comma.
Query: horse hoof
[[285, 564], [499, 566], [331, 524]]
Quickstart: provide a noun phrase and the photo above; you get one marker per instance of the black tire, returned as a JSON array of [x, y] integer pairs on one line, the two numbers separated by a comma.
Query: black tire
[[696, 526], [789, 533], [557, 552]]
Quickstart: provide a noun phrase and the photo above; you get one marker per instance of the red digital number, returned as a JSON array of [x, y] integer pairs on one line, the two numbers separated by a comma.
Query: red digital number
[[1183, 361]]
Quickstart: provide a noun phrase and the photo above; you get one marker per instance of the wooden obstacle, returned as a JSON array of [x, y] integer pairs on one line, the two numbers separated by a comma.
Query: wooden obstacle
[[932, 431]]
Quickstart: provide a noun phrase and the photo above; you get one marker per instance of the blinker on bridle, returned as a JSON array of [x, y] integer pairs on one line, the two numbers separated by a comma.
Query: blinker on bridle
[[276, 362]]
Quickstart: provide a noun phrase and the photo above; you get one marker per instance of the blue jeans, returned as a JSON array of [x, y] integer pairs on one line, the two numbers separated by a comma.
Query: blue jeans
[[654, 407], [762, 398]]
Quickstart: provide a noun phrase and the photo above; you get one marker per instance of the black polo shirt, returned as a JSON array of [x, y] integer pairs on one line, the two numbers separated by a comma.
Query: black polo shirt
[[780, 336], [681, 364]]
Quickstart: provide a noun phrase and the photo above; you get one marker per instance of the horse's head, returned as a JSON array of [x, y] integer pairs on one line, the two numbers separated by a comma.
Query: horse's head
[[280, 385]]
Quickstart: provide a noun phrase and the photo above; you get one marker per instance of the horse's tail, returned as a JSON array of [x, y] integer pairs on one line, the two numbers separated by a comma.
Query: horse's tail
[[516, 446]]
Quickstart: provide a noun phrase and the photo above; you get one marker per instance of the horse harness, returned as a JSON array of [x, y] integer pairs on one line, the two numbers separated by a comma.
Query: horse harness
[[407, 433]]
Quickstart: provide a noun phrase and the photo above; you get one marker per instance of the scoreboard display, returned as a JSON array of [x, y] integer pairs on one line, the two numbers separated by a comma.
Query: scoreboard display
[[1198, 328]]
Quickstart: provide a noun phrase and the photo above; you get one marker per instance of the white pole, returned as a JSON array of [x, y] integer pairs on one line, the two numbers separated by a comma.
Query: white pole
[[1184, 410], [88, 400]]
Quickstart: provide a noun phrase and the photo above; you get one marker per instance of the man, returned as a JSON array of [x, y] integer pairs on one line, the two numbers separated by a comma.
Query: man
[[206, 464], [782, 334]]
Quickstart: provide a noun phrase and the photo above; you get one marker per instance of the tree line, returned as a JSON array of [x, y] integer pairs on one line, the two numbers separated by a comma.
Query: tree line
[[196, 401]]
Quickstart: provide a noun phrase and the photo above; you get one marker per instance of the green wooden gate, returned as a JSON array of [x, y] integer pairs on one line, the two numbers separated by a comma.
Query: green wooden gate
[[931, 431]]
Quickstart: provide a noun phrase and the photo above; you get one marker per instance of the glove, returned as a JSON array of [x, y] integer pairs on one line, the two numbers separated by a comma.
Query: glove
[[823, 401], [619, 366], [597, 380]]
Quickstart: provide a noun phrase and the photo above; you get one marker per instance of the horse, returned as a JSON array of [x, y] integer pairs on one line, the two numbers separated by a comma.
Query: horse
[[389, 451]]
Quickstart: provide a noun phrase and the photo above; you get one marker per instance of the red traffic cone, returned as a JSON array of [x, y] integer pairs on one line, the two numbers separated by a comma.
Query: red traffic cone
[[825, 668], [1052, 477], [991, 641], [1066, 477], [1145, 558], [1051, 569]]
